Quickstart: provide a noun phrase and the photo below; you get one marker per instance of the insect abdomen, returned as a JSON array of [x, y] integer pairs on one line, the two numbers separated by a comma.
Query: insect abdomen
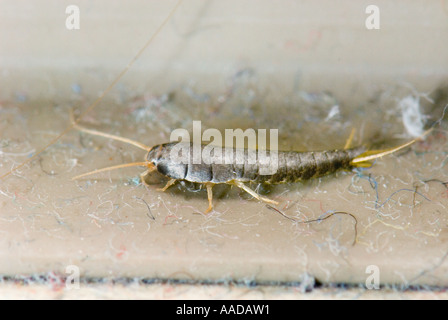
[[296, 166], [292, 166]]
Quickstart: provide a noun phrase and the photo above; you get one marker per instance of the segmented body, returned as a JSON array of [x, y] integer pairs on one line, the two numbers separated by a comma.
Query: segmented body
[[179, 162], [291, 166]]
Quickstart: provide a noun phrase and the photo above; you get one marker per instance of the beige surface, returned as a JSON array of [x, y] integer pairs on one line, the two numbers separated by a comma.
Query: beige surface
[[216, 292], [269, 71]]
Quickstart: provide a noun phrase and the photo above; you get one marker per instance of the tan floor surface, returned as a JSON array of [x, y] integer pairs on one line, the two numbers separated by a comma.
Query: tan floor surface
[[111, 226], [214, 292]]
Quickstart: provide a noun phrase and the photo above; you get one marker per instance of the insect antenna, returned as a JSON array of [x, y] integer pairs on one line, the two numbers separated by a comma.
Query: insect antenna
[[114, 137], [107, 135], [133, 164], [100, 98]]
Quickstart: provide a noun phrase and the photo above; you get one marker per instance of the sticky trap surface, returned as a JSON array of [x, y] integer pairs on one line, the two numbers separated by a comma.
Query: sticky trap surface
[[110, 225]]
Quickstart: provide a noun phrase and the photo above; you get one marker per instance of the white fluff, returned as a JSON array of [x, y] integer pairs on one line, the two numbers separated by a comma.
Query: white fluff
[[333, 112], [413, 119]]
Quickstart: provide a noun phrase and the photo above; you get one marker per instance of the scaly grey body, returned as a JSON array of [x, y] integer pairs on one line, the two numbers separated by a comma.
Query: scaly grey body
[[291, 166]]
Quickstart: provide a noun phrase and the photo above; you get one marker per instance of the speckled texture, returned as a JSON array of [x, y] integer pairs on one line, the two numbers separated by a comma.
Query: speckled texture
[[313, 79]]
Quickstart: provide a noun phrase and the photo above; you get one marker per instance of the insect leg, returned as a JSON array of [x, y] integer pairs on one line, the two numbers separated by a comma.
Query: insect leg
[[144, 174], [210, 197], [168, 184], [241, 185]]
